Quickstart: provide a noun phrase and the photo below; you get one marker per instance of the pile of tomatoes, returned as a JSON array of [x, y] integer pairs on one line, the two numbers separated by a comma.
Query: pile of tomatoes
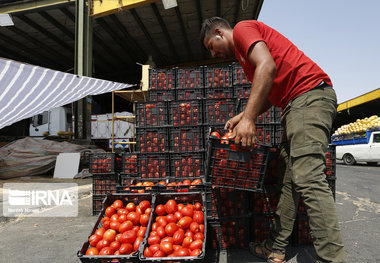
[[178, 231], [123, 229]]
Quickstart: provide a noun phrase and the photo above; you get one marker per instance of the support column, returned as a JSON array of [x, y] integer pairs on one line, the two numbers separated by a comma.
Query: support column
[[83, 67]]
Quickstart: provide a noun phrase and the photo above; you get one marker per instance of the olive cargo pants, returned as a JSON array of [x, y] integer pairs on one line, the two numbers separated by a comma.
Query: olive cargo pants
[[307, 121]]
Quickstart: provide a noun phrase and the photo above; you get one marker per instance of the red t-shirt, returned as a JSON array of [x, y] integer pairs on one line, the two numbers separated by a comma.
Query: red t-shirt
[[295, 72]]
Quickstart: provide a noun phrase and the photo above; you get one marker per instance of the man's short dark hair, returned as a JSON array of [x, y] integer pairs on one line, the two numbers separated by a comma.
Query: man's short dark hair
[[209, 25]]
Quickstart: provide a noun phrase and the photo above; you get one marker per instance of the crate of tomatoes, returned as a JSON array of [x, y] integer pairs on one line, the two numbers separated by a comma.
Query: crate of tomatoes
[[232, 166], [120, 229], [177, 231], [102, 163]]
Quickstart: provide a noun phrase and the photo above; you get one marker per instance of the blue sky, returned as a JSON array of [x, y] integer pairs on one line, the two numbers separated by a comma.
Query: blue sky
[[342, 36]]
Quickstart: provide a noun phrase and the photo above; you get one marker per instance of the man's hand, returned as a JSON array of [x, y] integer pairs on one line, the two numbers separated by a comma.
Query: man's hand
[[231, 123], [244, 132]]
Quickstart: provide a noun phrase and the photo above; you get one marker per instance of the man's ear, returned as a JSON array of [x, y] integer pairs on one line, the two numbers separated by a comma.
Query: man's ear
[[218, 32]]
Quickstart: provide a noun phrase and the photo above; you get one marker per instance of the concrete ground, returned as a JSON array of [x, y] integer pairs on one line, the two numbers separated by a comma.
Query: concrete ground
[[43, 239]]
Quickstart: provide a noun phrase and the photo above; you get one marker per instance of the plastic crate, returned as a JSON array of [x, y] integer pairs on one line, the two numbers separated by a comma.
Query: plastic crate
[[233, 204], [271, 116], [332, 184], [151, 114], [189, 78], [260, 227], [137, 185], [330, 170], [97, 203], [185, 113], [217, 77], [301, 230], [175, 185], [189, 94], [187, 165], [268, 134], [211, 203], [266, 203], [161, 79], [230, 167], [180, 198], [188, 139], [167, 95], [129, 164], [154, 166], [103, 184], [218, 111], [273, 167], [239, 75], [230, 234], [125, 198], [242, 91], [152, 140], [102, 163], [219, 93]]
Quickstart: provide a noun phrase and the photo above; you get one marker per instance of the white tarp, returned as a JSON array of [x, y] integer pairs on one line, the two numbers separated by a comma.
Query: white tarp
[[27, 90]]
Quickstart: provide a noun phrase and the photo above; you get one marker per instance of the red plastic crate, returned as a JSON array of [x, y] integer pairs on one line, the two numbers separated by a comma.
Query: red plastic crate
[[187, 165], [186, 139], [228, 166], [185, 113], [216, 77], [189, 78], [154, 166], [151, 114], [152, 140], [219, 111]]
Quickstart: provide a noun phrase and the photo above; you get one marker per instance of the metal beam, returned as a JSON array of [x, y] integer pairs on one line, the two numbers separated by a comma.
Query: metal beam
[[183, 29], [200, 17], [147, 35], [32, 6], [123, 46], [58, 58], [372, 95], [165, 30], [41, 57], [106, 7], [142, 55]]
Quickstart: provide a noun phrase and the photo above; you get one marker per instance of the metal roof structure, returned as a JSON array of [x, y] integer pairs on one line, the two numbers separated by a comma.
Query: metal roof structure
[[44, 34]]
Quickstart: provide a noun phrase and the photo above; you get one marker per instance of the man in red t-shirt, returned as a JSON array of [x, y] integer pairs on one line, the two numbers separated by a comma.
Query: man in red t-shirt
[[284, 76]]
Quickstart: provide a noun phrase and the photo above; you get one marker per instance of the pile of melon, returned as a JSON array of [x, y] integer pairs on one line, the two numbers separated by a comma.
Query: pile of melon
[[359, 125]]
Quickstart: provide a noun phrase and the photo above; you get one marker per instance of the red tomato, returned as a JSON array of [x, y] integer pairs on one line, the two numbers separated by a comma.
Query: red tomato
[[137, 243], [189, 234], [106, 251], [176, 247], [94, 239], [148, 253], [125, 226], [195, 252], [199, 217], [115, 245], [144, 219], [148, 211], [198, 206], [128, 237], [122, 218], [170, 229], [106, 218], [144, 205], [161, 232], [166, 247], [102, 243], [125, 248], [118, 236], [178, 215], [92, 251], [154, 240], [188, 211], [136, 229], [216, 134], [118, 204], [160, 210], [180, 206], [131, 207], [122, 211], [155, 226], [171, 206], [197, 244], [167, 239], [114, 217], [100, 231], [196, 181], [194, 227], [110, 211], [106, 224], [201, 228], [185, 222], [159, 254], [171, 218], [154, 248], [186, 242], [182, 252], [162, 221], [178, 236], [199, 236], [134, 218], [115, 225], [109, 235]]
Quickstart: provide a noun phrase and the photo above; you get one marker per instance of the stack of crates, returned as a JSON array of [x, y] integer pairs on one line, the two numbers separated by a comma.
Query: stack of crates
[[104, 178]]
